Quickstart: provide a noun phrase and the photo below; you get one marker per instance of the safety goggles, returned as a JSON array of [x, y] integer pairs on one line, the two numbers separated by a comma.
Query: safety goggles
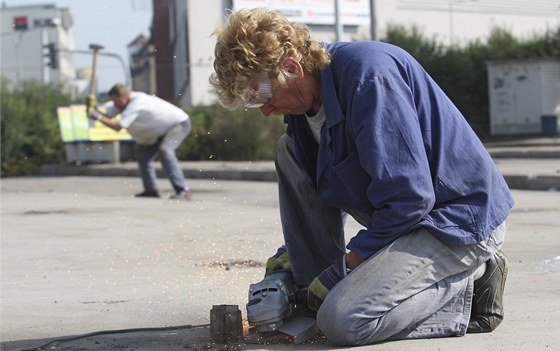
[[261, 95]]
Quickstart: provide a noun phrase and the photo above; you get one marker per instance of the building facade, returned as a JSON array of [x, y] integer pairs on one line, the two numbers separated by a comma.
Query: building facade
[[143, 65], [451, 22], [456, 22], [176, 61], [36, 44], [193, 48]]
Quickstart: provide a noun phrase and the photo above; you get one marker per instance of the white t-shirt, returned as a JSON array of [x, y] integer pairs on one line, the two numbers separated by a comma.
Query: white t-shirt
[[147, 117], [316, 123]]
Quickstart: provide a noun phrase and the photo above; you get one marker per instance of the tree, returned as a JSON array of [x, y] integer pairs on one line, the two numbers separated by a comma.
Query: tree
[[461, 71]]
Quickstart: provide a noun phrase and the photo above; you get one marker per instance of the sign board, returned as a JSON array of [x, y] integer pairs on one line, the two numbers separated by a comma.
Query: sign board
[[20, 23], [319, 12], [65, 124], [75, 125]]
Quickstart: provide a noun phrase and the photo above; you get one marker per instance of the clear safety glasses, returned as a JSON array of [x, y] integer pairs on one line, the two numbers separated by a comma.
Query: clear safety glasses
[[261, 95]]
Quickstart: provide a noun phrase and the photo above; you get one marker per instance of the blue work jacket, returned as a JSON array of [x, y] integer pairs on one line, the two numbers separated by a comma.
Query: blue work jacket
[[394, 145]]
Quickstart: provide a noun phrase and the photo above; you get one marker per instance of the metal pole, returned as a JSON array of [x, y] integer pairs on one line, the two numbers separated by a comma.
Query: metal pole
[[451, 23], [18, 57], [338, 23], [44, 43], [126, 71], [372, 20]]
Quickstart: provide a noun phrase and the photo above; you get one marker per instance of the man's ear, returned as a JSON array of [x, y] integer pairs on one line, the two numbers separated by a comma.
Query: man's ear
[[292, 67]]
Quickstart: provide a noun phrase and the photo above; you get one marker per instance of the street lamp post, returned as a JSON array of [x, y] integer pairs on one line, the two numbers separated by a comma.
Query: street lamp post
[[372, 20], [337, 20], [451, 25], [126, 71]]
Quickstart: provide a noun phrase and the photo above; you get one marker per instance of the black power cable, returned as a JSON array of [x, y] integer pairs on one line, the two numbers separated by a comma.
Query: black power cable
[[117, 331]]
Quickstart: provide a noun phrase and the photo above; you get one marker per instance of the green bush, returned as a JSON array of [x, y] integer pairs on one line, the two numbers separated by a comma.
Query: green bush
[[30, 135], [219, 134], [461, 71]]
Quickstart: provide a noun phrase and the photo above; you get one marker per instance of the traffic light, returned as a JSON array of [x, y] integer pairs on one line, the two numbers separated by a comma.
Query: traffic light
[[50, 53]]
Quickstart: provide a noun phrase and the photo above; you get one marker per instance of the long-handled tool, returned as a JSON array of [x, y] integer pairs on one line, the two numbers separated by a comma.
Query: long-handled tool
[[95, 48], [91, 99]]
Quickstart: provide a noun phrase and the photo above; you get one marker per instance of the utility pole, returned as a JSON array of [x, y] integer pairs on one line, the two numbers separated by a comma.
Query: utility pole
[[372, 20], [451, 22], [338, 23]]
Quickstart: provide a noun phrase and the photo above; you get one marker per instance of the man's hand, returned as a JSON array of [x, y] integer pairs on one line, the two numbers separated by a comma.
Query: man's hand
[[353, 260], [91, 103], [278, 261], [95, 115], [325, 281]]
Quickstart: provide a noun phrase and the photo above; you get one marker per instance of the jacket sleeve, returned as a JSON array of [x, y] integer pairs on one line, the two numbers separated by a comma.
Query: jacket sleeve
[[389, 144]]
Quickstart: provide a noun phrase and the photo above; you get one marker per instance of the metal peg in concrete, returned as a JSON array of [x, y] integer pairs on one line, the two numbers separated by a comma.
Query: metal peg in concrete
[[225, 324]]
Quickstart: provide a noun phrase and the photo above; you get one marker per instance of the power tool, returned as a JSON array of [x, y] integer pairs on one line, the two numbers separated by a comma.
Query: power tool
[[272, 303]]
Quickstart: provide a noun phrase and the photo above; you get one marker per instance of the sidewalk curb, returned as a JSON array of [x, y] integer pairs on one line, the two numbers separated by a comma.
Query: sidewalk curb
[[543, 153], [266, 172], [529, 182]]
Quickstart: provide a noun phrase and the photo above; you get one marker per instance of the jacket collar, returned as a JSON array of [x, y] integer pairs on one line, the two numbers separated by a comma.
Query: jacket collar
[[330, 100]]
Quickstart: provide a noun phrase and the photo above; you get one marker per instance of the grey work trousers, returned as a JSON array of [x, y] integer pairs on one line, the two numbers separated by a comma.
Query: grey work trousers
[[164, 148], [416, 287]]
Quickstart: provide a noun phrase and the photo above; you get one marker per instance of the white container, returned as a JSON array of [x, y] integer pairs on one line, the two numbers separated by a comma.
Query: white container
[[521, 91]]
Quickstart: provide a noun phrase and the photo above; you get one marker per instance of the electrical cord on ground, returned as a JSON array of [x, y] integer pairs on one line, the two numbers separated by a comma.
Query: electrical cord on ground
[[116, 331]]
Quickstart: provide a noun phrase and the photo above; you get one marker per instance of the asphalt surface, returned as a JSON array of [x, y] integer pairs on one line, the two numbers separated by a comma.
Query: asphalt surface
[[85, 266]]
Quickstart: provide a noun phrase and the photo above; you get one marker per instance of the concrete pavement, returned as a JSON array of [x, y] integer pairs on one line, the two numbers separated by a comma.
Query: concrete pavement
[[86, 266], [80, 256]]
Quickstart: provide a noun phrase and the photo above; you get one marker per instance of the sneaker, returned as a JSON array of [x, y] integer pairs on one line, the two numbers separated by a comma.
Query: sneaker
[[150, 193], [183, 194], [487, 310]]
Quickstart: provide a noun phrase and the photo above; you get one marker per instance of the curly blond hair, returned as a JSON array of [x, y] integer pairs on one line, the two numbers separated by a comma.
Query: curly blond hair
[[255, 41]]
